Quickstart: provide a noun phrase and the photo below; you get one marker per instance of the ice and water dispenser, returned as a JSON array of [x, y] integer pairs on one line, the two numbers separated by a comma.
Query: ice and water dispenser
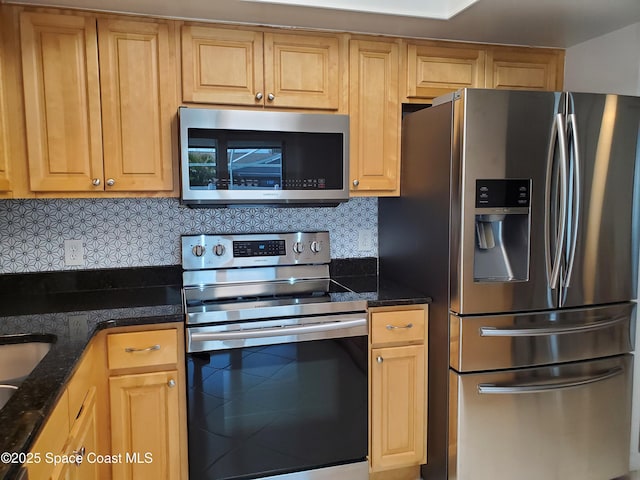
[[502, 224]]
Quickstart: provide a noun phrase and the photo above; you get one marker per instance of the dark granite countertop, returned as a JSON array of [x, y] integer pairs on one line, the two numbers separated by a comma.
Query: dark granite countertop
[[71, 307]]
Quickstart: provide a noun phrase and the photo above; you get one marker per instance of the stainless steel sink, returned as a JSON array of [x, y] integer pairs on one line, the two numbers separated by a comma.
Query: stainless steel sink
[[19, 355], [5, 393], [17, 360]]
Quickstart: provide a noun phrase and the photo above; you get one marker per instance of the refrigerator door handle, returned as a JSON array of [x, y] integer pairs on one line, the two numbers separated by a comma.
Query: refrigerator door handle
[[553, 266], [548, 331], [489, 388], [576, 199]]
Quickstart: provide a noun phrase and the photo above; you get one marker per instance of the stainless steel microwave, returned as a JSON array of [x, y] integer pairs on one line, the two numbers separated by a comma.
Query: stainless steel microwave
[[246, 157]]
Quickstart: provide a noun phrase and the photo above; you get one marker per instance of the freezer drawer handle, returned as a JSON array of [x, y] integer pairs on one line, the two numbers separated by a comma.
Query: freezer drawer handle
[[489, 388], [548, 331]]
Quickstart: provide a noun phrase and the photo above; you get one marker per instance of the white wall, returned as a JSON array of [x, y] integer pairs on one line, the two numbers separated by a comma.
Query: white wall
[[607, 64], [611, 64]]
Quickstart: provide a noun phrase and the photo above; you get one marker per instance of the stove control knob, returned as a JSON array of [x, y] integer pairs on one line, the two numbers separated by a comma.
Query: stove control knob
[[198, 250], [218, 250], [298, 247], [316, 247]]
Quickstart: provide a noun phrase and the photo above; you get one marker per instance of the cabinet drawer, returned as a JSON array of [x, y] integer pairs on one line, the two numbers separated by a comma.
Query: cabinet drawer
[[397, 326], [142, 349]]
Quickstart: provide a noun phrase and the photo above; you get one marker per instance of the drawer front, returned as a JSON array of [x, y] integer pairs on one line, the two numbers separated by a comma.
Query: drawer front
[[400, 326], [479, 343], [142, 349], [561, 422]]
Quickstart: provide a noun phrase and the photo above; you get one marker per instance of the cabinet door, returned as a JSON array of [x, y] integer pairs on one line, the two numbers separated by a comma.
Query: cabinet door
[[145, 421], [83, 440], [302, 71], [138, 104], [62, 101], [4, 137], [436, 70], [398, 396], [527, 69], [375, 118], [222, 66]]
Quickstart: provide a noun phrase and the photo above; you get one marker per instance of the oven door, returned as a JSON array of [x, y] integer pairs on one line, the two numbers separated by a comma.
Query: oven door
[[295, 406]]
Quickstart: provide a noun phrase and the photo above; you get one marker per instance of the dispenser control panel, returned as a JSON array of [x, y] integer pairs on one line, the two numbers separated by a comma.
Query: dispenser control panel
[[503, 193]]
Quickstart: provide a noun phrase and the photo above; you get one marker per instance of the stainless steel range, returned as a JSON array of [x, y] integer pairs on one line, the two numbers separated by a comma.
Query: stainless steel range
[[276, 360]]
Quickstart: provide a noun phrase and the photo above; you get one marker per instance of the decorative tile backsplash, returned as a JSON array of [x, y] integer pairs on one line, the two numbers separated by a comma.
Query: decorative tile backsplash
[[146, 232]]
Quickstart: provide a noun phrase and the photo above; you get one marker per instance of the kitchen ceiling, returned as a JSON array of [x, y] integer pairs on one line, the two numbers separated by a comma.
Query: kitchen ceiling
[[548, 23]]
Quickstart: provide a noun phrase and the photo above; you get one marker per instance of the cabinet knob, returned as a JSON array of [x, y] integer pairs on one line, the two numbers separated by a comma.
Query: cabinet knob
[[171, 383], [271, 97], [95, 182], [259, 96], [111, 182], [356, 183], [79, 456], [379, 359]]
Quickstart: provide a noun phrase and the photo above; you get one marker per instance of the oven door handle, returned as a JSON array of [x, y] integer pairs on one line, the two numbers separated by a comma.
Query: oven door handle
[[278, 331]]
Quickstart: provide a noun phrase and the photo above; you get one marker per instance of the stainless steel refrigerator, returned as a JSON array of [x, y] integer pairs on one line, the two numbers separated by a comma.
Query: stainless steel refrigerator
[[519, 216]]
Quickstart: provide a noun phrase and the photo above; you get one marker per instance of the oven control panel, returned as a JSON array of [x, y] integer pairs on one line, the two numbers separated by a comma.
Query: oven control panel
[[253, 250]]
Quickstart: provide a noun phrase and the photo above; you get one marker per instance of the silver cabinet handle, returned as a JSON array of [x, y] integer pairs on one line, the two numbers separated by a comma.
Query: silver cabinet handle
[[95, 182], [394, 327], [259, 96], [271, 97], [548, 331], [356, 183], [171, 383], [111, 182], [488, 388], [379, 359], [137, 350]]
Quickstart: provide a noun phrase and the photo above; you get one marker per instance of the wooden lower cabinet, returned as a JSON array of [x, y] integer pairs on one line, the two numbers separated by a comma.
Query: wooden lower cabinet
[[145, 427], [397, 393], [147, 403], [397, 379], [82, 445]]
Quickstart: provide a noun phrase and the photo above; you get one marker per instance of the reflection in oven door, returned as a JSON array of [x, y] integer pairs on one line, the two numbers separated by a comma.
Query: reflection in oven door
[[270, 410]]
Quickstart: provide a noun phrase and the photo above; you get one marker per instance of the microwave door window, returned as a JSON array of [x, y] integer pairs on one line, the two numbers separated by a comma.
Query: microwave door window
[[203, 162], [255, 165]]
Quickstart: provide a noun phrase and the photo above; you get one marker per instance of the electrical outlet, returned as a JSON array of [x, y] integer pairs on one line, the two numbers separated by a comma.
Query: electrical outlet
[[365, 239], [73, 253], [78, 328]]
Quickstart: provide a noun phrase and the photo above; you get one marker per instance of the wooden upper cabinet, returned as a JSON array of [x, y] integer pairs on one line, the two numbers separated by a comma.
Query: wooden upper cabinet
[[302, 71], [247, 67], [433, 69], [5, 185], [138, 100], [98, 126], [374, 107], [524, 68], [221, 65], [62, 101]]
